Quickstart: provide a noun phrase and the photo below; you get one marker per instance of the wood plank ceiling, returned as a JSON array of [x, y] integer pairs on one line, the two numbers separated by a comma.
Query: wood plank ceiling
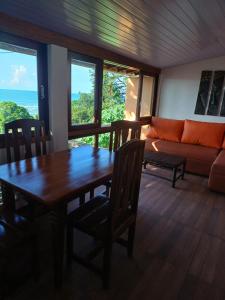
[[161, 33]]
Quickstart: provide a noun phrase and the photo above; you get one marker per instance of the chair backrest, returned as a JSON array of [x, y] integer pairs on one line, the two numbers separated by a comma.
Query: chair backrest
[[123, 131], [25, 132], [126, 182]]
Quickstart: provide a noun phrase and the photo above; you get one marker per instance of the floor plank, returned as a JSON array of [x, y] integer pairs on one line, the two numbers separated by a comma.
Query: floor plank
[[179, 250]]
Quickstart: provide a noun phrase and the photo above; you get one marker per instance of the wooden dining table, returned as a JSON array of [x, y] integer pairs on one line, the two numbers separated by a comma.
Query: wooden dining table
[[53, 180]]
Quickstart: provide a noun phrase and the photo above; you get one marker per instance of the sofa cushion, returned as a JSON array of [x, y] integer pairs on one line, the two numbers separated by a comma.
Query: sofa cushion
[[223, 146], [219, 163], [166, 129], [217, 174], [199, 158], [203, 133]]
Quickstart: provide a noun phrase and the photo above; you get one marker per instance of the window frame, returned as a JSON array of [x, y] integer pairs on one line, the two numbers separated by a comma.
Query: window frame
[[42, 75], [97, 91], [85, 130]]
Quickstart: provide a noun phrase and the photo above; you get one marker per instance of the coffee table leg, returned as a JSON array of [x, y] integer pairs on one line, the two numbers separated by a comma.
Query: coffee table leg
[[174, 177], [145, 164], [58, 221]]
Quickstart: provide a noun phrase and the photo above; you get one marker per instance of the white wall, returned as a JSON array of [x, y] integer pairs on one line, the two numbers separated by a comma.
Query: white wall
[[178, 90], [58, 78]]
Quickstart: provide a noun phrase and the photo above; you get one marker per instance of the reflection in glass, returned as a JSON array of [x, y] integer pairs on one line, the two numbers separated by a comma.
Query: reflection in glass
[[202, 100], [215, 97]]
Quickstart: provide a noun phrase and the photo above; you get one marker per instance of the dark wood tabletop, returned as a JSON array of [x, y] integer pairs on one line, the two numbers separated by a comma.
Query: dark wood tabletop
[[61, 175]]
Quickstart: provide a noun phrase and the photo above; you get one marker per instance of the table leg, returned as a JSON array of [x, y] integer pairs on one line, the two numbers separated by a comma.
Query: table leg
[[174, 177], [8, 197], [183, 170], [58, 221]]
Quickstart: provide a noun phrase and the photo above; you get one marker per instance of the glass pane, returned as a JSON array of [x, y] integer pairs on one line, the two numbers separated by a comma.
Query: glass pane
[[113, 97], [222, 113], [82, 92], [146, 100], [131, 98], [18, 84], [216, 92], [202, 100]]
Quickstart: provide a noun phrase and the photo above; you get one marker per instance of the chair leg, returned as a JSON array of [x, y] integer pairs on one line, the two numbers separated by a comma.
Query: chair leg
[[107, 191], [69, 244], [107, 264], [35, 259], [82, 200], [131, 235], [92, 193]]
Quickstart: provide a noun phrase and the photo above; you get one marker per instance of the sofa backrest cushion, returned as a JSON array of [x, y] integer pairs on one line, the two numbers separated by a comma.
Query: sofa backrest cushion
[[203, 133], [166, 129]]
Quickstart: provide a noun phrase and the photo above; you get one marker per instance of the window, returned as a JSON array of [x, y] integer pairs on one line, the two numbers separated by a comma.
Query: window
[[139, 96], [23, 80], [211, 96], [85, 91], [100, 94]]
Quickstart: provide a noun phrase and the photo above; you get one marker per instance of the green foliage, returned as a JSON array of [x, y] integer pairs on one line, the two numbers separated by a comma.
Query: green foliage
[[10, 111], [83, 109], [114, 89], [113, 106]]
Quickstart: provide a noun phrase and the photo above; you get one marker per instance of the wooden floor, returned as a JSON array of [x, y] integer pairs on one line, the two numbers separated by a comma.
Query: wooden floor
[[179, 250]]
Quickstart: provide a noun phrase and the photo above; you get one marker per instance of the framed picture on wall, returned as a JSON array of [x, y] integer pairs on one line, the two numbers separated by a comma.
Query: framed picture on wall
[[211, 96]]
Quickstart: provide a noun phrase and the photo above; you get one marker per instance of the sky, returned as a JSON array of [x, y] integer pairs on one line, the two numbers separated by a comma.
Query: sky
[[19, 72], [80, 79]]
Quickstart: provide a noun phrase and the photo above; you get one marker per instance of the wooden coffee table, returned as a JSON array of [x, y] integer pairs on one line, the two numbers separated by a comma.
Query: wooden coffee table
[[167, 161]]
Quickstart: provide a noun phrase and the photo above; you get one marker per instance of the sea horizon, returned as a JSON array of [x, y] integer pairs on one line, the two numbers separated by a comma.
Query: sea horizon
[[25, 98]]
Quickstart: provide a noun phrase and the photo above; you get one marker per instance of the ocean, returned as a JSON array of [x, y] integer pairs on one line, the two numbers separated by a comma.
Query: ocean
[[27, 99]]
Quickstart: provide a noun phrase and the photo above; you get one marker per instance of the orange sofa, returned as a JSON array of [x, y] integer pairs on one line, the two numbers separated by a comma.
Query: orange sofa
[[202, 143]]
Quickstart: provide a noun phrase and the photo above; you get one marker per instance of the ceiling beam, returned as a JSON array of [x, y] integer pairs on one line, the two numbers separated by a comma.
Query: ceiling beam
[[28, 30]]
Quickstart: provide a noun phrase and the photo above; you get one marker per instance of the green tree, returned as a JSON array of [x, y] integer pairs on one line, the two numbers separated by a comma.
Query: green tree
[[113, 97], [10, 111], [83, 109]]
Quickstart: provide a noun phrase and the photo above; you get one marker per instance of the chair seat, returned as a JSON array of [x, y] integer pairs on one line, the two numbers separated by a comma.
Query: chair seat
[[92, 218]]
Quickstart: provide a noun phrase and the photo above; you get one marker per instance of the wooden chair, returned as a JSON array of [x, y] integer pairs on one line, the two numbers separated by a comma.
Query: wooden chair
[[123, 131], [25, 132], [24, 139], [106, 219], [16, 233]]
